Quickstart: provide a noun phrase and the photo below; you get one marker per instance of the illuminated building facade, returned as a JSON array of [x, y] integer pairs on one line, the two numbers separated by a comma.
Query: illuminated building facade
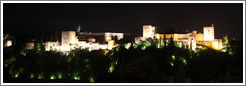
[[95, 41], [99, 37], [148, 31], [208, 33], [85, 40], [190, 40], [68, 38], [69, 41]]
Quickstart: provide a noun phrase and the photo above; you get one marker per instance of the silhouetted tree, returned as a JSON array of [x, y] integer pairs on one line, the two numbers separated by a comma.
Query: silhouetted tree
[[171, 43]]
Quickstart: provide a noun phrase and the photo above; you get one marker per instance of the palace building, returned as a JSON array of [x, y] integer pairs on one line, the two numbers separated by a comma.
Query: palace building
[[191, 40], [71, 40], [94, 41]]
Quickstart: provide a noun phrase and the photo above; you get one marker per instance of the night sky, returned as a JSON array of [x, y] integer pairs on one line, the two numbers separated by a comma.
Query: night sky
[[125, 17]]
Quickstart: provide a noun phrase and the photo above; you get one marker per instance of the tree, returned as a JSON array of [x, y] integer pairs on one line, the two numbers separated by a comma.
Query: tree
[[115, 39], [171, 44], [225, 41], [165, 39]]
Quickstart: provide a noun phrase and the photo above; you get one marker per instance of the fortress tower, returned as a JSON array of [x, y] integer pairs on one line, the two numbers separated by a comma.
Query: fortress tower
[[68, 37], [208, 33], [148, 31]]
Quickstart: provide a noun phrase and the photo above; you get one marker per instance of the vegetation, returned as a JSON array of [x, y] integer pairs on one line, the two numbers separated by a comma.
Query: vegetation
[[147, 61]]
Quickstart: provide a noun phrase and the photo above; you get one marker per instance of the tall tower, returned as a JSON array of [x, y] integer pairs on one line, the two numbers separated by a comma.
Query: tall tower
[[208, 33], [68, 37], [148, 31]]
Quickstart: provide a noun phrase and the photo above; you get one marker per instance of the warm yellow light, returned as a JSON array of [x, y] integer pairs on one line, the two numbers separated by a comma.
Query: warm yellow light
[[215, 45], [9, 43], [64, 48], [110, 44], [208, 33], [73, 41]]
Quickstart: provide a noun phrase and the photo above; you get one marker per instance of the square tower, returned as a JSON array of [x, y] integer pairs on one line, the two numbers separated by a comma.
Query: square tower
[[208, 33], [148, 31], [68, 37]]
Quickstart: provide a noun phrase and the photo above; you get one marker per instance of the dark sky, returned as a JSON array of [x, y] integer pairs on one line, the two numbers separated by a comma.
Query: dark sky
[[125, 17]]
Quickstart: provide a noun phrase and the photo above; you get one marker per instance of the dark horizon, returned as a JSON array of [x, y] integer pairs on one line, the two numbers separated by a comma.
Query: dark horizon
[[125, 17]]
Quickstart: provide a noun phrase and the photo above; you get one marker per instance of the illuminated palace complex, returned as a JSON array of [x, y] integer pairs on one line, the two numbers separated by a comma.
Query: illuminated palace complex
[[94, 41], [190, 39]]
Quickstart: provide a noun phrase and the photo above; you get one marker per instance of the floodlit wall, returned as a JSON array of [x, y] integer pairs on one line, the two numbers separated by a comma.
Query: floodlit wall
[[110, 44], [192, 42], [159, 36], [68, 37], [51, 45], [180, 36], [190, 39], [168, 36], [108, 36], [208, 33], [199, 37], [69, 41], [148, 31], [216, 44], [103, 46]]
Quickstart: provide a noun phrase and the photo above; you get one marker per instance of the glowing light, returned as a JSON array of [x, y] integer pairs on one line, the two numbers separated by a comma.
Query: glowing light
[[9, 43], [90, 49], [111, 68], [73, 40], [40, 76], [31, 75], [110, 44], [223, 50], [215, 44], [171, 63], [201, 47], [179, 44], [184, 61], [173, 57], [76, 77], [52, 77], [208, 33], [17, 74], [105, 52], [158, 45], [59, 75], [230, 52], [91, 79], [144, 47], [127, 46], [64, 48], [148, 31]]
